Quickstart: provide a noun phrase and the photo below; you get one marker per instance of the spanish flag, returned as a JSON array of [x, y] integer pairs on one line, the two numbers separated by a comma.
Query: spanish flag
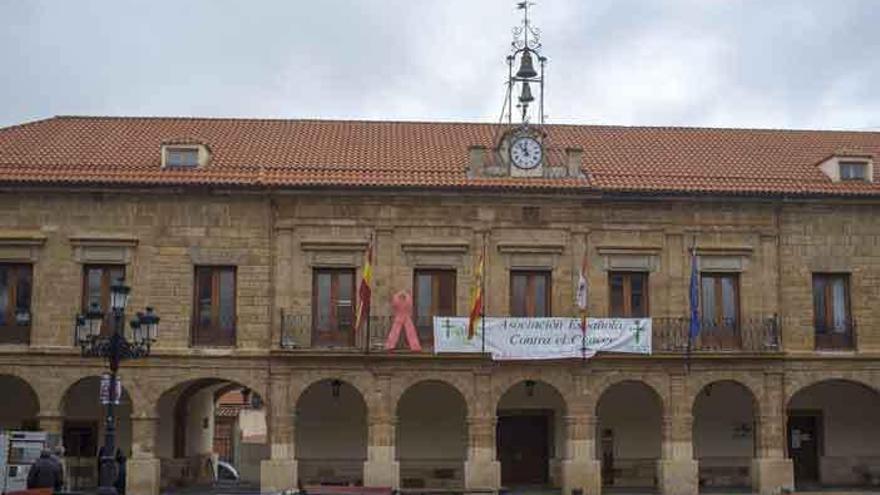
[[477, 296], [365, 290]]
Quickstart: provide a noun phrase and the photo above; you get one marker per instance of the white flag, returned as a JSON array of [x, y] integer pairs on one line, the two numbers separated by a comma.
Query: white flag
[[582, 289]]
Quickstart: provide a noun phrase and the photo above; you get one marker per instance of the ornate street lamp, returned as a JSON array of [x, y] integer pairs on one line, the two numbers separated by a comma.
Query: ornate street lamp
[[114, 347]]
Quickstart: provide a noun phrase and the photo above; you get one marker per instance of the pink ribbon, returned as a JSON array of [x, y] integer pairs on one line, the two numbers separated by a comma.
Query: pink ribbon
[[402, 306]]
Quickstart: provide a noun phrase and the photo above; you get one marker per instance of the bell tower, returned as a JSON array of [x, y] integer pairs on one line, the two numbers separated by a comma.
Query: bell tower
[[525, 51]]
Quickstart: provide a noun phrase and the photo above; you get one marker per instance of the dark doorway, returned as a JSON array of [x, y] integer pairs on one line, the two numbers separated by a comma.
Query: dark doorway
[[803, 446], [524, 448]]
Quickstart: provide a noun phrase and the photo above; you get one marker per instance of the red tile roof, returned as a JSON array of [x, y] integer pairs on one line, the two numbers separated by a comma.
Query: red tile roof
[[317, 153]]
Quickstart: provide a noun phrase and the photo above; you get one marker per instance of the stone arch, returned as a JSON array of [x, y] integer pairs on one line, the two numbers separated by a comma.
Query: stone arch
[[331, 432], [363, 382], [153, 388], [561, 381], [431, 434], [754, 384], [23, 414], [796, 382], [461, 382], [658, 384], [725, 416]]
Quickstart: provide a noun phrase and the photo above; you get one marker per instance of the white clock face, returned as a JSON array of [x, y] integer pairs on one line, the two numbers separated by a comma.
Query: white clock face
[[526, 152]]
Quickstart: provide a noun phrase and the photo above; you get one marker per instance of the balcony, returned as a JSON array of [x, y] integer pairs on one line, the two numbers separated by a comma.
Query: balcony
[[752, 335], [670, 335], [305, 332]]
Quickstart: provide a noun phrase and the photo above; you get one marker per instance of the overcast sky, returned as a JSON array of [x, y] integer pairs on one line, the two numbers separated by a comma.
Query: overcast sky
[[735, 63]]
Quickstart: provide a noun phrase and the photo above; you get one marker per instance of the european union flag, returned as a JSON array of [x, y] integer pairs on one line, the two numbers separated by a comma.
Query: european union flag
[[695, 298]]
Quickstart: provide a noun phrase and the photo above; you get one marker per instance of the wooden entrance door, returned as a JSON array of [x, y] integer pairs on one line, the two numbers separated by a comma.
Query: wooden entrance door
[[523, 451], [803, 447]]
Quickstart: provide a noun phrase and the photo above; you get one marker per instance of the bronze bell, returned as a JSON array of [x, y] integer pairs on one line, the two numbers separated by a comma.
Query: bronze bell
[[526, 68], [526, 95]]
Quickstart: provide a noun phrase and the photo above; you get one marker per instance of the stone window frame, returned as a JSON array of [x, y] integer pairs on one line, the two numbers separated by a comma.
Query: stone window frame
[[99, 249], [527, 256]]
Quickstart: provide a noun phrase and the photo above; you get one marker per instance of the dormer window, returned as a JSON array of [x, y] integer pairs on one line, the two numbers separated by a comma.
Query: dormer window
[[853, 171], [849, 166], [176, 155]]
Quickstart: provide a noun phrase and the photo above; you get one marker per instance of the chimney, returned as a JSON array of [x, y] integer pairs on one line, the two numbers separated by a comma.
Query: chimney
[[573, 161], [476, 161]]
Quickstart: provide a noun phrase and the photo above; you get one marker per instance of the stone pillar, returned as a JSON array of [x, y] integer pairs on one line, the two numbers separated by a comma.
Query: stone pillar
[[52, 422], [381, 468], [772, 472], [580, 469], [677, 471], [482, 471], [143, 474], [279, 472]]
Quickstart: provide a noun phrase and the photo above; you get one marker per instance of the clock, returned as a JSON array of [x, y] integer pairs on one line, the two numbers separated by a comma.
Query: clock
[[526, 152]]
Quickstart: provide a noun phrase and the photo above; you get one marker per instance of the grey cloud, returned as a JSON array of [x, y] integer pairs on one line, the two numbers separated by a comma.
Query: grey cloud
[[785, 63]]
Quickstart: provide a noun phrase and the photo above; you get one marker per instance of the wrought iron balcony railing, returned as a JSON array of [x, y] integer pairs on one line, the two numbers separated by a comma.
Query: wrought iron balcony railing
[[751, 334], [670, 335]]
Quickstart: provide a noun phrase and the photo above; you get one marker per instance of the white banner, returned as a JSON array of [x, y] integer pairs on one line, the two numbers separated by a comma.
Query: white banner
[[543, 338]]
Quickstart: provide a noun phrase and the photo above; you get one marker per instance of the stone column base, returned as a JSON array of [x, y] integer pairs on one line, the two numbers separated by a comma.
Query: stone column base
[[382, 473], [277, 475], [482, 475], [678, 476], [771, 476], [142, 476], [585, 475]]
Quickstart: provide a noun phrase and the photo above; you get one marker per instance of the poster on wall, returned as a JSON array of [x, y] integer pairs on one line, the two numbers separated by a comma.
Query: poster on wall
[[543, 338]]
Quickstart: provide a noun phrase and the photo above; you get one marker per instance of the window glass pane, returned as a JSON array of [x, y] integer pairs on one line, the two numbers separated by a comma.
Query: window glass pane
[[4, 295], [819, 282], [728, 298], [838, 301], [424, 287], [323, 299], [518, 294], [707, 301], [617, 296], [94, 280], [23, 296], [637, 298], [227, 300], [205, 290], [540, 295], [345, 298], [116, 273], [446, 297]]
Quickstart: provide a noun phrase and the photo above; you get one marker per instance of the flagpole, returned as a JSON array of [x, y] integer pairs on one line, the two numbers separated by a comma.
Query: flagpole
[[690, 341], [370, 249], [483, 297]]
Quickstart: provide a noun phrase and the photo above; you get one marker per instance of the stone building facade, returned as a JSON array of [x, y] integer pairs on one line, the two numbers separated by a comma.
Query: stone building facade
[[777, 400]]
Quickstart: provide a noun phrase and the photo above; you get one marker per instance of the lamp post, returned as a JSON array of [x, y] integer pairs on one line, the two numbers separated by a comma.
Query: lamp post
[[114, 347]]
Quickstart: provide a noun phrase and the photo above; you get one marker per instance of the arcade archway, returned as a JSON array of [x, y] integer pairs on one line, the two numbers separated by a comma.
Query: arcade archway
[[432, 436], [530, 438], [724, 435], [331, 434], [20, 406], [83, 430], [629, 435], [833, 435], [204, 422]]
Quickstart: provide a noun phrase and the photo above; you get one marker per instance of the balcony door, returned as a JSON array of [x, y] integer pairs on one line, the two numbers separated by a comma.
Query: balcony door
[[333, 307], [719, 301]]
